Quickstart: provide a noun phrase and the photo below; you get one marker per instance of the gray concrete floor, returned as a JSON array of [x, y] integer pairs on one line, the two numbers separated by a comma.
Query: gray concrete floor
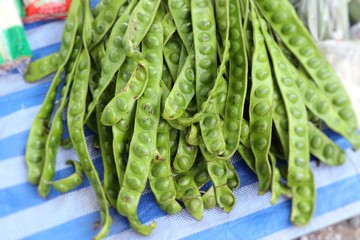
[[346, 230]]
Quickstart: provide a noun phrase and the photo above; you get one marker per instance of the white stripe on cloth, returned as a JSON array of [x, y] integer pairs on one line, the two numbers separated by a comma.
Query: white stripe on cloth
[[66, 207], [322, 221], [13, 171], [39, 37], [13, 83], [17, 122], [168, 226]]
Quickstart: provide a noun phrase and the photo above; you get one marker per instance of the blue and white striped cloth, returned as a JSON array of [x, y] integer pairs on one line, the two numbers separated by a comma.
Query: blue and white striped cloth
[[25, 215]]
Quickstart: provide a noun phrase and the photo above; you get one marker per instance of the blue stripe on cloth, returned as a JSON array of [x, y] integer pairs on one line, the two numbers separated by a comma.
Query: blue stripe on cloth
[[15, 145], [42, 52], [276, 218], [29, 26], [12, 199], [15, 101]]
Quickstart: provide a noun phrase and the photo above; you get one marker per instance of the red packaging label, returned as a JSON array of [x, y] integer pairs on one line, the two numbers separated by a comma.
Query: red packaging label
[[37, 10]]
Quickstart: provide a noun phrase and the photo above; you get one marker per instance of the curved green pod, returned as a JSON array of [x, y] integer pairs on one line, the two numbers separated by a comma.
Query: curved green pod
[[42, 67], [122, 103], [181, 12], [105, 20], [303, 201], [74, 180], [160, 177], [189, 194], [35, 147], [143, 143], [324, 149], [182, 92], [75, 115], [282, 17], [261, 97], [185, 155]]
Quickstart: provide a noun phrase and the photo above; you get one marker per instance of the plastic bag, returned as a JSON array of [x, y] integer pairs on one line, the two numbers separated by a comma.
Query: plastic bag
[[325, 19]]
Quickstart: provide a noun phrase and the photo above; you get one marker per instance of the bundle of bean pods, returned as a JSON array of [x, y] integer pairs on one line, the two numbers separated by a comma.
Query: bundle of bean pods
[[173, 89]]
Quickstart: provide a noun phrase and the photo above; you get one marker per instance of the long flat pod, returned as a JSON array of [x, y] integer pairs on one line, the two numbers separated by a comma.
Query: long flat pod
[[105, 20], [143, 143], [299, 157], [283, 19], [54, 139], [261, 96], [126, 36], [35, 147], [181, 12], [75, 116], [238, 81]]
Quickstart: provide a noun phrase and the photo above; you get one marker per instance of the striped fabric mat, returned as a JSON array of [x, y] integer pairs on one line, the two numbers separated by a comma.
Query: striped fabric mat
[[25, 215]]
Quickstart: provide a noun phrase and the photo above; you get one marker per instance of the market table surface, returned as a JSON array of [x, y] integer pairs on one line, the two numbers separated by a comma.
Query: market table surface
[[74, 215]]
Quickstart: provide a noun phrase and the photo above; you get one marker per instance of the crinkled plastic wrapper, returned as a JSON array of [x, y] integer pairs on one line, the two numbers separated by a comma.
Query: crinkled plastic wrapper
[[39, 10], [344, 56]]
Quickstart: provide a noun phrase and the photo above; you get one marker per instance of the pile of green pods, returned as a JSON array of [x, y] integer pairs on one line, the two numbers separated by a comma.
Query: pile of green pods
[[173, 89]]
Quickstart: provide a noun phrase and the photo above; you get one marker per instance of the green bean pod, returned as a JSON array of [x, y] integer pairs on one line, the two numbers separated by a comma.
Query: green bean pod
[[75, 116], [245, 133], [248, 156], [233, 180], [172, 50], [324, 149], [248, 29], [204, 27], [238, 75], [209, 198], [174, 141], [42, 67], [104, 21], [283, 19], [182, 92], [166, 77], [54, 136], [318, 103], [189, 194], [100, 7], [218, 173], [123, 102], [111, 181], [181, 12], [35, 147], [303, 202], [182, 59], [199, 171], [280, 120], [74, 180], [143, 143], [193, 136], [121, 130], [277, 187], [221, 96], [141, 20], [299, 157], [112, 60], [161, 182], [261, 98], [168, 26], [185, 155]]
